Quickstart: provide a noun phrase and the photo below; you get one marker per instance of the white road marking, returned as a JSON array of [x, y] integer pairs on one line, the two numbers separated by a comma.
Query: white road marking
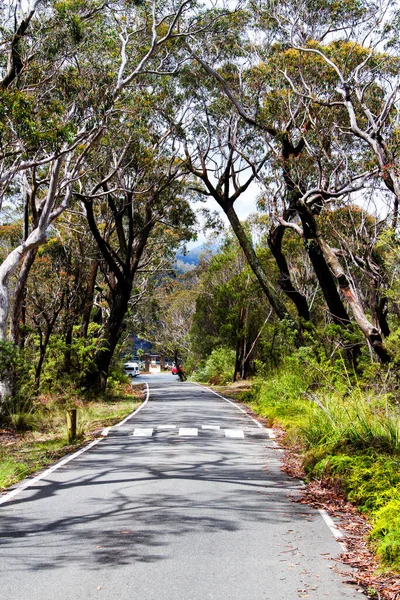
[[275, 445], [233, 404], [271, 433], [234, 433], [188, 431], [30, 482], [138, 409], [333, 527], [161, 427], [211, 427], [143, 432]]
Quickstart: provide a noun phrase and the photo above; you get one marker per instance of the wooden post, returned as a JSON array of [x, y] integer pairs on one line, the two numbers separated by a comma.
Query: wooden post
[[147, 362], [71, 424]]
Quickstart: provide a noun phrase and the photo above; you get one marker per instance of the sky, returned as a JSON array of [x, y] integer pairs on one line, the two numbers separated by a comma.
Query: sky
[[244, 206]]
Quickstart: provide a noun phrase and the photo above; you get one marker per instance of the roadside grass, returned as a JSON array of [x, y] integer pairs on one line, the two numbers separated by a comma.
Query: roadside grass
[[45, 439], [348, 437]]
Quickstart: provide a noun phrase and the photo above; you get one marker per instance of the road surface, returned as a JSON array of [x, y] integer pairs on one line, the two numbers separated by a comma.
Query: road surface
[[184, 501]]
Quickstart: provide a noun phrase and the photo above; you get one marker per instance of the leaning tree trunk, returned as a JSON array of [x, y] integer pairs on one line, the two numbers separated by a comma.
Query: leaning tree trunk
[[255, 265], [371, 333], [19, 296], [275, 237], [35, 239], [239, 345], [321, 268], [89, 297]]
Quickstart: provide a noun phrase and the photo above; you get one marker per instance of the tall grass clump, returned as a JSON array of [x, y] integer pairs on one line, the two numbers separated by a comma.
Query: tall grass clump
[[356, 421], [349, 430]]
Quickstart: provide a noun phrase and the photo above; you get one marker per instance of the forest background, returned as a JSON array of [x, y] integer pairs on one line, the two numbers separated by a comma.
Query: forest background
[[121, 124]]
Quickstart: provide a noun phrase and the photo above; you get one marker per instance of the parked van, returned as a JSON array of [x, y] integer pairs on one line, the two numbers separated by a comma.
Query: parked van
[[131, 369]]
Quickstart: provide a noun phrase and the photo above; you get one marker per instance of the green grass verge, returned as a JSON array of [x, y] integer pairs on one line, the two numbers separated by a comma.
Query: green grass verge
[[22, 454], [349, 439]]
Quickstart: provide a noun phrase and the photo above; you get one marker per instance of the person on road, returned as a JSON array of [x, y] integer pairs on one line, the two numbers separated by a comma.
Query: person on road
[[180, 372]]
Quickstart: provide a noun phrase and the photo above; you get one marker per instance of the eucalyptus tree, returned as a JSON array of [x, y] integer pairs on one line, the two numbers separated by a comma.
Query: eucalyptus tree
[[352, 69], [133, 198], [344, 71], [225, 158], [65, 68], [313, 168]]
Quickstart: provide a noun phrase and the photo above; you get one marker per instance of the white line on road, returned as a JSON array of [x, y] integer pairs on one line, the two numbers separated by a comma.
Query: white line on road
[[233, 404], [234, 433], [188, 431], [30, 482], [138, 409], [333, 527], [143, 432]]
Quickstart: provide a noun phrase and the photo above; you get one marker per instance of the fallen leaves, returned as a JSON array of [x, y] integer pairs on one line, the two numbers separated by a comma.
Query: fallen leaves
[[365, 565]]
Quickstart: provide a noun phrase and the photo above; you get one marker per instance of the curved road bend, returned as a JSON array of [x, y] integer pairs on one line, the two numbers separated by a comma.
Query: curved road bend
[[185, 501]]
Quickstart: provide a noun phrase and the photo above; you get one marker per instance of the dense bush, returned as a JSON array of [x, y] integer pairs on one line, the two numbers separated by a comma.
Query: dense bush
[[218, 368]]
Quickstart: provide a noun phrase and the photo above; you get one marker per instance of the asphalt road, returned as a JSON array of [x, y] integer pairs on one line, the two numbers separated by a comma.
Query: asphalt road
[[184, 501]]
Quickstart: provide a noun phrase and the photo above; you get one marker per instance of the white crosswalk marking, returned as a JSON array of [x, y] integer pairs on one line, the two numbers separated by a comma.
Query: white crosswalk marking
[[143, 432], [188, 431], [234, 433]]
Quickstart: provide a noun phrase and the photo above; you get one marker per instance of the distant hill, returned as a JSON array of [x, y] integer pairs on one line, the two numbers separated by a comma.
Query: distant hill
[[190, 260]]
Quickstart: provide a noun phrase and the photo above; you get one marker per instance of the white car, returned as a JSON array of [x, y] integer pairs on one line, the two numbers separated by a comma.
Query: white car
[[131, 369]]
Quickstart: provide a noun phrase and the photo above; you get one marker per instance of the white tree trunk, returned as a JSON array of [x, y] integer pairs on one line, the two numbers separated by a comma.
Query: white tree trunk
[[35, 238]]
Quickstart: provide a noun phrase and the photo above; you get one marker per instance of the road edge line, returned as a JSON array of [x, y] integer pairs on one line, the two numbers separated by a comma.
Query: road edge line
[[334, 529], [233, 404], [336, 532], [137, 410], [10, 495]]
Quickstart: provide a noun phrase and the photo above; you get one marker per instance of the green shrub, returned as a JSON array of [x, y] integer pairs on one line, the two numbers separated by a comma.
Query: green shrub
[[386, 532], [366, 478], [350, 435], [218, 368]]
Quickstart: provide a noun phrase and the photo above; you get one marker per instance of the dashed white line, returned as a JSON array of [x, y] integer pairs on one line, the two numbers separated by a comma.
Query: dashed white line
[[234, 433], [188, 431], [143, 432]]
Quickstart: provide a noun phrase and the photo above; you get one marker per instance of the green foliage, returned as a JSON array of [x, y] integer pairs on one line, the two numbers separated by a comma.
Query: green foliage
[[10, 357], [280, 398], [82, 351], [349, 433], [14, 372], [385, 532], [218, 368]]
